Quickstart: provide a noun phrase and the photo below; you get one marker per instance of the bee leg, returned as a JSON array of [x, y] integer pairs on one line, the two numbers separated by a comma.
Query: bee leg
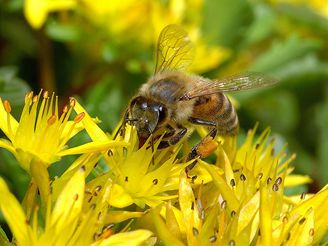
[[206, 146], [198, 121], [173, 139], [170, 132], [121, 129]]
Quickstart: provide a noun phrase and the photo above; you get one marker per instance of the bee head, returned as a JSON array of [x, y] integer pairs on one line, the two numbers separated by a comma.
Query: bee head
[[147, 115]]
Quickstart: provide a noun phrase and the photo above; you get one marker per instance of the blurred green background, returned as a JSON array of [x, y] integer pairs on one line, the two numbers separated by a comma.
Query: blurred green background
[[102, 51]]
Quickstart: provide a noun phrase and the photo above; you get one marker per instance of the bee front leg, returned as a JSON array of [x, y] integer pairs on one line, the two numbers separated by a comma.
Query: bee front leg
[[121, 129], [173, 139]]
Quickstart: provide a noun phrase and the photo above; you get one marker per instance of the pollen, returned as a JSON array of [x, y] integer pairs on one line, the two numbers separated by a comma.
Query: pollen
[[52, 119], [7, 106], [35, 99], [72, 102], [79, 117], [45, 94], [65, 109]]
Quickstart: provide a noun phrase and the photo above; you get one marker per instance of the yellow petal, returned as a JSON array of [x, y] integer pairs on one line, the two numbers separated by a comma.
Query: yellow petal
[[223, 162], [171, 221], [88, 161], [71, 130], [69, 202], [61, 4], [131, 238], [14, 215], [40, 175], [163, 231], [119, 197], [265, 216], [119, 216], [248, 212], [301, 233], [4, 123], [94, 131], [295, 180], [319, 203], [93, 147], [224, 188], [188, 207], [35, 12], [208, 57], [209, 226]]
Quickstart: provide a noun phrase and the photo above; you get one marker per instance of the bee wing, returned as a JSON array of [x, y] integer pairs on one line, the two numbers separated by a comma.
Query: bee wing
[[229, 84], [175, 51]]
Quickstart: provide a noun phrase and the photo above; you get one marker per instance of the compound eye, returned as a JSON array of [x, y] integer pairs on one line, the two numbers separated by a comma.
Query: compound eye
[[144, 105], [161, 113]]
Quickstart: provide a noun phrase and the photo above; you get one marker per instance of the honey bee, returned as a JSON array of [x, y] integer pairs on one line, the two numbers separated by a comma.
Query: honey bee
[[173, 99]]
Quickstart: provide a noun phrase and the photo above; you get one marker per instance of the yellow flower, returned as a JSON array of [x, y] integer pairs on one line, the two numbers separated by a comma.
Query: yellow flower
[[143, 177], [40, 136], [64, 221], [208, 57], [36, 11], [125, 19], [133, 175], [239, 200], [245, 204]]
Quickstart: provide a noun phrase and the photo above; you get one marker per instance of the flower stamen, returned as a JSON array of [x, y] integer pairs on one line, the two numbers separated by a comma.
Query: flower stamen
[[52, 119], [7, 107]]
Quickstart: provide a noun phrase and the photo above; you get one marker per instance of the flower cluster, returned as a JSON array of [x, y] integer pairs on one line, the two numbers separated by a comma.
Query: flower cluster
[[123, 20], [144, 196]]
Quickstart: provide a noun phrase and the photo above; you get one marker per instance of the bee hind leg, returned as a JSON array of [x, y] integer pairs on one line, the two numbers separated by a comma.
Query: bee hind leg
[[206, 146]]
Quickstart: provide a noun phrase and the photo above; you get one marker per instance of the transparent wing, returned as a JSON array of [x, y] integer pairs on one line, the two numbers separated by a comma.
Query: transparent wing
[[229, 84], [175, 51]]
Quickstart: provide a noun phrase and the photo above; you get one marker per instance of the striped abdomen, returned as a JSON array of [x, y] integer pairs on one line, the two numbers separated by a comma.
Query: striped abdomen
[[217, 108]]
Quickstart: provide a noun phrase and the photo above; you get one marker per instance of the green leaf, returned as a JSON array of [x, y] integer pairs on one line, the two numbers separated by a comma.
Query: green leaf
[[12, 88], [304, 15], [283, 52], [66, 32], [3, 238], [301, 71], [278, 109], [105, 101], [322, 123], [13, 173], [225, 22], [262, 26]]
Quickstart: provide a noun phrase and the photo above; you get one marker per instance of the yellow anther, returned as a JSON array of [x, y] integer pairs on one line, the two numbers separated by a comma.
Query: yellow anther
[[79, 117], [52, 119], [7, 106]]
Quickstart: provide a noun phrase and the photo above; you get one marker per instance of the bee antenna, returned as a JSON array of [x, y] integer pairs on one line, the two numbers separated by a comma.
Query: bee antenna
[[121, 129], [152, 149]]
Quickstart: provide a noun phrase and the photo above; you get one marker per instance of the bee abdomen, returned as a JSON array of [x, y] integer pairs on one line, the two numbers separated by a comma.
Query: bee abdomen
[[227, 119], [217, 108]]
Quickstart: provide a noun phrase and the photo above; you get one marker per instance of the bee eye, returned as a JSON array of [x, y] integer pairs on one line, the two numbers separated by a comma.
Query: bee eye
[[144, 105], [162, 113]]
